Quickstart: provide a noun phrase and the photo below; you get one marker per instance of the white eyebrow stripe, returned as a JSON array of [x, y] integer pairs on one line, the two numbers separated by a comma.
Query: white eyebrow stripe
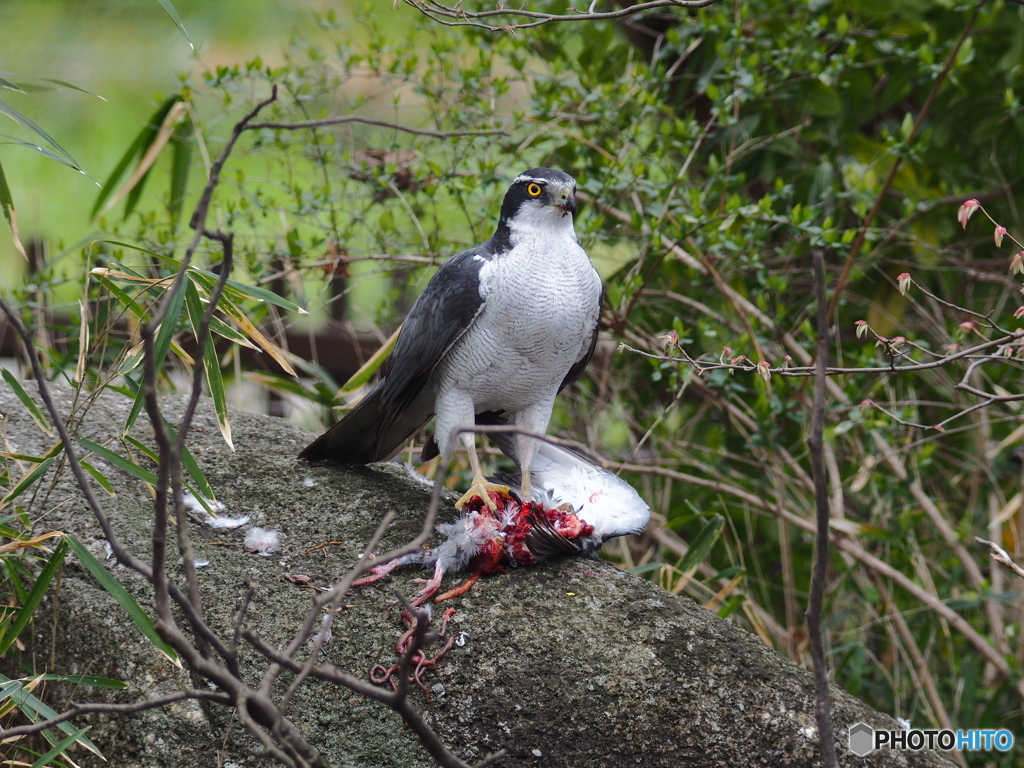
[[535, 179]]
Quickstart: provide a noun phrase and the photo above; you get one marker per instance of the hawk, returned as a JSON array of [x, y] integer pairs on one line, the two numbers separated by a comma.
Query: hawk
[[502, 327]]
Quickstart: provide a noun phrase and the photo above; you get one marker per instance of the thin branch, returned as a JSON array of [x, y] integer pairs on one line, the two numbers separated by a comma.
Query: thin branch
[[456, 16], [1000, 556], [815, 446], [342, 119], [76, 710]]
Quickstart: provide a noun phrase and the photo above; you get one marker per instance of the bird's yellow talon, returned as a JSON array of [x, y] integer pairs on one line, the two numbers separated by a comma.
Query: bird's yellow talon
[[483, 489]]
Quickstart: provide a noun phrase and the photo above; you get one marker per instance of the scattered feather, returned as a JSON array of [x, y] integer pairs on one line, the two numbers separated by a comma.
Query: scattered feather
[[227, 523], [193, 504], [262, 541]]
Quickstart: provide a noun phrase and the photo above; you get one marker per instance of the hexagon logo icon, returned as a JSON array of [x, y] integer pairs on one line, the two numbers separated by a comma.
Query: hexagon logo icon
[[862, 739]]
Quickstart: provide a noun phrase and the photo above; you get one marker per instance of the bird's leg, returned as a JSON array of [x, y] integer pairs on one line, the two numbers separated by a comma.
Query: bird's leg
[[532, 419], [480, 486], [524, 485]]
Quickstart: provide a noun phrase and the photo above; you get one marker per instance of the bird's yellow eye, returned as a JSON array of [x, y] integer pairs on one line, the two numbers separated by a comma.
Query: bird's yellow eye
[[533, 190]]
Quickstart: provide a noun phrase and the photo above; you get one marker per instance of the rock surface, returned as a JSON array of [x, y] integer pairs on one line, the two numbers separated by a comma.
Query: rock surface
[[572, 664]]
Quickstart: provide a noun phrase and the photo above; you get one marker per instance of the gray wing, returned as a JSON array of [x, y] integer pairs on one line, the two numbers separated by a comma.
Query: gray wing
[[398, 407], [441, 315]]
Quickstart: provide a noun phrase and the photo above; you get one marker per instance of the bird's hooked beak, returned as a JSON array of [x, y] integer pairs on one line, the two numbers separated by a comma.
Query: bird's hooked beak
[[565, 199]]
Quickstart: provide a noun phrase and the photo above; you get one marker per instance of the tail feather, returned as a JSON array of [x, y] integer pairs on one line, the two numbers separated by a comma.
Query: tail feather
[[369, 432]]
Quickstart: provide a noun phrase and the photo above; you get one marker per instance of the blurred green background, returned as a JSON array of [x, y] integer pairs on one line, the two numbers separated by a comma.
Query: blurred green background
[[131, 55]]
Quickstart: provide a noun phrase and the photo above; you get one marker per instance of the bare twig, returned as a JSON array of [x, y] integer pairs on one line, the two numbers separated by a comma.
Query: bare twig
[[815, 446], [76, 710], [457, 16], [1000, 556], [343, 119]]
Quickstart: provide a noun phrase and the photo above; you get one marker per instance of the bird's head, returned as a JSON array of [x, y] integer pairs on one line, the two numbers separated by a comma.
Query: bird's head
[[540, 198]]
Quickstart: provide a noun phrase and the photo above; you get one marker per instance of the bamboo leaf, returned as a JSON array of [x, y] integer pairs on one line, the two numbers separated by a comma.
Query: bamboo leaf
[[209, 280], [132, 247], [122, 296], [370, 367], [702, 543], [35, 710], [256, 335], [224, 330], [99, 477], [132, 189], [35, 596], [42, 151], [126, 601], [118, 461], [181, 164], [22, 395], [169, 8], [27, 481], [143, 140], [16, 116], [60, 748], [192, 466], [83, 341], [90, 680], [211, 365], [35, 78], [9, 85], [320, 395], [164, 337], [7, 204], [35, 541]]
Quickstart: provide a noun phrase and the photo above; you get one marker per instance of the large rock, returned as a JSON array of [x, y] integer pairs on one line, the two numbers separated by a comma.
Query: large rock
[[574, 663]]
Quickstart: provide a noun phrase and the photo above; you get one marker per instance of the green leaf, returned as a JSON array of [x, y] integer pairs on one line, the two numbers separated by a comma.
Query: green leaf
[[321, 394], [702, 543], [99, 476], [118, 461], [122, 296], [90, 680], [169, 8], [208, 280], [164, 337], [27, 481], [42, 151], [6, 201], [126, 601], [181, 164], [35, 596], [14, 580], [224, 330], [137, 148], [60, 748], [144, 449], [371, 366], [27, 401], [9, 85], [205, 492], [61, 83], [16, 116], [186, 458], [211, 364], [35, 710]]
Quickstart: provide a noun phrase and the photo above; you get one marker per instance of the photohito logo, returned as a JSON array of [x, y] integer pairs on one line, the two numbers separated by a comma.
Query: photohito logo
[[864, 740]]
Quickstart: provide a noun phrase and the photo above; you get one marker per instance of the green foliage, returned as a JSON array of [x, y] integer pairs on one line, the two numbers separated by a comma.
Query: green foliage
[[712, 157]]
